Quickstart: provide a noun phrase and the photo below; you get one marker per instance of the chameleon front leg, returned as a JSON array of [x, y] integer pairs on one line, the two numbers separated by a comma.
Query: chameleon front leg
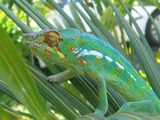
[[67, 74], [103, 99]]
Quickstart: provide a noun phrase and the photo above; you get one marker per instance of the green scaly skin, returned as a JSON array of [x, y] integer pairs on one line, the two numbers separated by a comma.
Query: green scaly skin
[[82, 53]]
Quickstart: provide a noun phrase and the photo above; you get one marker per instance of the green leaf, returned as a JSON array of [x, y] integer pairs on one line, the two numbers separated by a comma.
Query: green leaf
[[60, 10], [6, 90], [76, 16], [36, 13], [54, 94], [15, 19], [14, 73], [4, 115], [23, 7], [7, 113]]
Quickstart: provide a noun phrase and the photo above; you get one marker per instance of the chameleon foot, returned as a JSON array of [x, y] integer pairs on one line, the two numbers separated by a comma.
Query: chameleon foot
[[61, 76], [52, 78]]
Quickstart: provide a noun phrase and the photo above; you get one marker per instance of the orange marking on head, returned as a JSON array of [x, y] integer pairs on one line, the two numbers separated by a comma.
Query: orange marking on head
[[52, 38]]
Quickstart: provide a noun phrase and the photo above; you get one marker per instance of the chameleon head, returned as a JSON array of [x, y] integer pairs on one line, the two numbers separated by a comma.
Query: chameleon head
[[53, 45], [44, 43]]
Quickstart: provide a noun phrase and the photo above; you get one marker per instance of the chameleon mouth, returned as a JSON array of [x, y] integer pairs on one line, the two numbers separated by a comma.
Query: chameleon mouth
[[33, 43], [31, 37], [47, 50]]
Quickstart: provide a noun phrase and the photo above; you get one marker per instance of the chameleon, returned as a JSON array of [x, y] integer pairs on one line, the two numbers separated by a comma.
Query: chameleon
[[85, 54]]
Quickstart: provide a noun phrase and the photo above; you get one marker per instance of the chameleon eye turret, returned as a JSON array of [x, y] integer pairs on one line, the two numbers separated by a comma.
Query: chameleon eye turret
[[52, 38]]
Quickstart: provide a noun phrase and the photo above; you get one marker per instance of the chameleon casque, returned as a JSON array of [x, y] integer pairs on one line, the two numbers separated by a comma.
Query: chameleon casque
[[85, 54]]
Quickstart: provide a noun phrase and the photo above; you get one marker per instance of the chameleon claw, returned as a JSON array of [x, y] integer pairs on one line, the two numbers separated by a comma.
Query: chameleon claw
[[52, 78], [61, 76]]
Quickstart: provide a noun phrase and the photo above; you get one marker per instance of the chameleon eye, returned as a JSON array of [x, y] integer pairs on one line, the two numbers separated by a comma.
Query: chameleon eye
[[52, 38]]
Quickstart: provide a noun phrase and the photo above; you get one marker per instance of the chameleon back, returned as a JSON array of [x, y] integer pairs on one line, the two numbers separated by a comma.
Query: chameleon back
[[103, 60]]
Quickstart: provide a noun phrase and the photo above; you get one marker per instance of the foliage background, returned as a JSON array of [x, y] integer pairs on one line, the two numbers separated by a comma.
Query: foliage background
[[23, 85]]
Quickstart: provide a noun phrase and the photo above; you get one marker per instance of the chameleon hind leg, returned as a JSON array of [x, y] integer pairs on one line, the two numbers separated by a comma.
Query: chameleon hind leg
[[67, 74], [103, 99], [146, 107]]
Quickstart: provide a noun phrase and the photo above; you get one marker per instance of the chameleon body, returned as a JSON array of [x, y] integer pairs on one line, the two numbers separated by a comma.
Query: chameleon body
[[83, 53]]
